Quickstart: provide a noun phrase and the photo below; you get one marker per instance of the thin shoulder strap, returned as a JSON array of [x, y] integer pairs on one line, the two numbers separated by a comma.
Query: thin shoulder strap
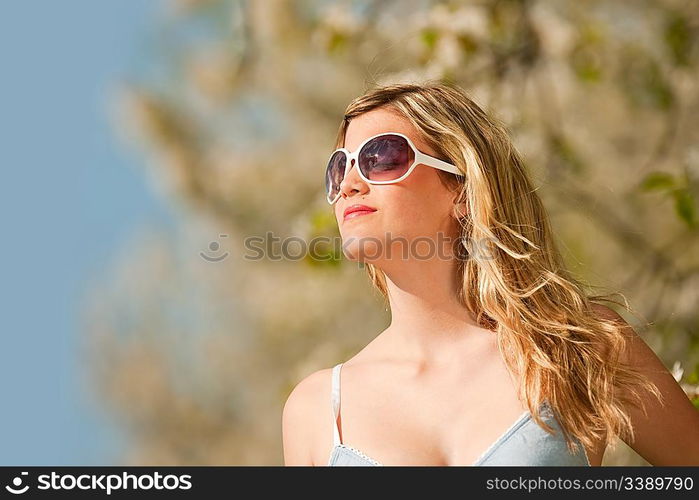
[[335, 399]]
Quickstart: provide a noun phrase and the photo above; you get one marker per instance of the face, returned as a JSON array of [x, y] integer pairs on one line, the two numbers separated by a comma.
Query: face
[[406, 214]]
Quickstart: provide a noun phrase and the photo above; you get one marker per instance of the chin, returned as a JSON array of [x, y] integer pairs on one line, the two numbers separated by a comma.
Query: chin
[[357, 230], [362, 247]]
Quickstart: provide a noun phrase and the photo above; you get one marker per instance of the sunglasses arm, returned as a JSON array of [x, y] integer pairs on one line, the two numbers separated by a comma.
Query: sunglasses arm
[[425, 159]]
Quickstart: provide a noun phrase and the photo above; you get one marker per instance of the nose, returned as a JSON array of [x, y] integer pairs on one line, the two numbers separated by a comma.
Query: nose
[[352, 183]]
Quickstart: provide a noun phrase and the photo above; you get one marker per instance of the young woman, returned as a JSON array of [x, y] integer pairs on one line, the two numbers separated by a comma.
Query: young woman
[[495, 355]]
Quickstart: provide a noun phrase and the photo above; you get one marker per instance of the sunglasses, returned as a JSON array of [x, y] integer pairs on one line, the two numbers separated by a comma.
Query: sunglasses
[[381, 159]]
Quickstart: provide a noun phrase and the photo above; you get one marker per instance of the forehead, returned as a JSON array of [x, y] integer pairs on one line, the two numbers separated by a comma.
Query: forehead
[[379, 121]]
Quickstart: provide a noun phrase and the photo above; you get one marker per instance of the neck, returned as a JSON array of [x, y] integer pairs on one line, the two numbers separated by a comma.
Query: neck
[[428, 321]]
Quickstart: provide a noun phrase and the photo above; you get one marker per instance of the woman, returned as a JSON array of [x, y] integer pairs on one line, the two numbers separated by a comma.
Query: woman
[[494, 354]]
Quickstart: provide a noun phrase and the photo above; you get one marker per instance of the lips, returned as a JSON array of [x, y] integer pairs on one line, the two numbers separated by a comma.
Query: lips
[[357, 211]]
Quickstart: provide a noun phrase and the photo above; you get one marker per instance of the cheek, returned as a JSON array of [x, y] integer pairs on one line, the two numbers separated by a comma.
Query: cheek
[[338, 214], [414, 212], [421, 205]]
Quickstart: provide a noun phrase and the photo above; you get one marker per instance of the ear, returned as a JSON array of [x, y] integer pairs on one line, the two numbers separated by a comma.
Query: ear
[[459, 210]]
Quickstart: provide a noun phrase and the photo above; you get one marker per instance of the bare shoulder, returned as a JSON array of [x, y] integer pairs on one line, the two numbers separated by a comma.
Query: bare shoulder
[[635, 343], [666, 431], [596, 453], [606, 312], [306, 410], [306, 394], [637, 352]]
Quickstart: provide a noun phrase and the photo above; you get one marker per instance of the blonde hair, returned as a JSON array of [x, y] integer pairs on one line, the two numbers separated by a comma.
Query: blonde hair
[[546, 328]]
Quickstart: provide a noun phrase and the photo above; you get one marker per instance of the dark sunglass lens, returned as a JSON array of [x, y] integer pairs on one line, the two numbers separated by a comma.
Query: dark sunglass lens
[[386, 158], [334, 173]]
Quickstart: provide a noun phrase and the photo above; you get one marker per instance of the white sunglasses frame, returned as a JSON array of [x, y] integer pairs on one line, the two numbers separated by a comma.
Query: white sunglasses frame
[[420, 159]]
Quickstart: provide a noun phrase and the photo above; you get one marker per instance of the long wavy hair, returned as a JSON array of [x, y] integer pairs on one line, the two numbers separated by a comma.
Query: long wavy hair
[[547, 331]]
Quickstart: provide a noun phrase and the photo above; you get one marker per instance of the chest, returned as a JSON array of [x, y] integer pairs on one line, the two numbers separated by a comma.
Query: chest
[[436, 422]]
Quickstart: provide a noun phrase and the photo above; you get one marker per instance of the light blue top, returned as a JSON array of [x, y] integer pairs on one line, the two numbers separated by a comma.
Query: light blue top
[[524, 443]]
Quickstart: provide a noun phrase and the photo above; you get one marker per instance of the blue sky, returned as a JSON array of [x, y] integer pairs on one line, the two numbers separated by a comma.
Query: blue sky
[[70, 198]]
